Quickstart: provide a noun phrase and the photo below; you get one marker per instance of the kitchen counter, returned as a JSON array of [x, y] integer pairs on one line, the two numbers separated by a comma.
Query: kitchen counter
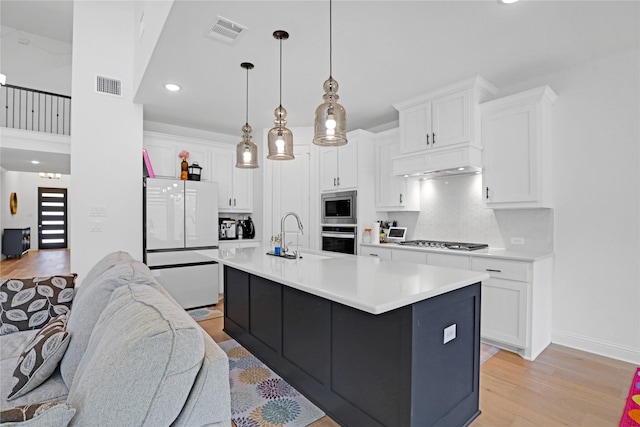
[[486, 253], [364, 283]]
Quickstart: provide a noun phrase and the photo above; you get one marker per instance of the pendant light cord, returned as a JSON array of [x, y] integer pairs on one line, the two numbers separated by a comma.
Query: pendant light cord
[[330, 43], [247, 104], [280, 73]]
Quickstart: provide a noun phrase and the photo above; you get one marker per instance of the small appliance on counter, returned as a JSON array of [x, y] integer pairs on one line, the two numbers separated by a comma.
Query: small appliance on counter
[[227, 229], [248, 229], [397, 234]]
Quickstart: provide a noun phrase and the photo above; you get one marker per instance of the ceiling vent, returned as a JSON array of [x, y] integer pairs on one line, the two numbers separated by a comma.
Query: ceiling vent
[[225, 30], [108, 86]]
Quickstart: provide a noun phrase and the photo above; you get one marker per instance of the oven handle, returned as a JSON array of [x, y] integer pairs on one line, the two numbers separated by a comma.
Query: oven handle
[[340, 235]]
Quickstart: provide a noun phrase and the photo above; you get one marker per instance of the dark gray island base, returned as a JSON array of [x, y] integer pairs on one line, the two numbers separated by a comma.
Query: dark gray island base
[[390, 369]]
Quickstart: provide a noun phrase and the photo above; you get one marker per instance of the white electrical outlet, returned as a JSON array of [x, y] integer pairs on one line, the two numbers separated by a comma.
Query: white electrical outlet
[[517, 240], [449, 333], [96, 226], [98, 210]]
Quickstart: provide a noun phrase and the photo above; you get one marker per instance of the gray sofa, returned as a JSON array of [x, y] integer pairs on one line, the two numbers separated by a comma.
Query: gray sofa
[[135, 357]]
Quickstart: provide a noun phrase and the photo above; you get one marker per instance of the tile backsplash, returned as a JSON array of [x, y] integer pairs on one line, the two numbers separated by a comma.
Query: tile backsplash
[[453, 209]]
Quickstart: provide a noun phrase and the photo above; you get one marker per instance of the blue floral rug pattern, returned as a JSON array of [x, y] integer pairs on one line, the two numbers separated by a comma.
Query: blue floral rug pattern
[[260, 398]]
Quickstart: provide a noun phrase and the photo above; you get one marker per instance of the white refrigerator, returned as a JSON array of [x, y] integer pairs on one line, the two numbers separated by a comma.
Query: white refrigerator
[[181, 217]]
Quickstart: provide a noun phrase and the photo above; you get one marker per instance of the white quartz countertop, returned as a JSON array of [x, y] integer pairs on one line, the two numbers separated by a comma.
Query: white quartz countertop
[[485, 253], [366, 283]]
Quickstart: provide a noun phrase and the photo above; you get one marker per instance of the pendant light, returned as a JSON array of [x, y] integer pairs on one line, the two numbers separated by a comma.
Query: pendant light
[[330, 124], [247, 150], [280, 139]]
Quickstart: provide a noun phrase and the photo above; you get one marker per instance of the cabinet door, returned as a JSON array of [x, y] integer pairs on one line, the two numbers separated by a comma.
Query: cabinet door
[[415, 127], [510, 155], [504, 311], [242, 190], [222, 173], [201, 157], [391, 190], [451, 119], [348, 166], [164, 159], [328, 168], [418, 257], [451, 261], [382, 253]]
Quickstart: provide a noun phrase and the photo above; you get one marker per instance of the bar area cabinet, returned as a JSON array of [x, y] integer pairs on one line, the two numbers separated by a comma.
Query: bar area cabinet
[[16, 241]]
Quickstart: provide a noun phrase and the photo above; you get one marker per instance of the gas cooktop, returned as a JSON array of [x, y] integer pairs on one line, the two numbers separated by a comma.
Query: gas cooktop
[[457, 246]]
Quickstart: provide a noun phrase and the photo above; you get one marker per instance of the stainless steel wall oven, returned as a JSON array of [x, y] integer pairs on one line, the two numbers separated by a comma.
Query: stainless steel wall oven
[[339, 238]]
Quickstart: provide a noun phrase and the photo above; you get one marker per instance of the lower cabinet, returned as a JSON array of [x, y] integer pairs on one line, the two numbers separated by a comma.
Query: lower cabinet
[[391, 369], [16, 241], [376, 251]]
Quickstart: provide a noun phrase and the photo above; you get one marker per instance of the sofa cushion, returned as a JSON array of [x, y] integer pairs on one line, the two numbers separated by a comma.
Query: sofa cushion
[[29, 303], [40, 357], [92, 298], [38, 415], [106, 263], [209, 401], [140, 363], [52, 390]]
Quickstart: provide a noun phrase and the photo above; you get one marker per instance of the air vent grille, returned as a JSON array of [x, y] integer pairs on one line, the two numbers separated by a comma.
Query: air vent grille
[[108, 86], [225, 30]]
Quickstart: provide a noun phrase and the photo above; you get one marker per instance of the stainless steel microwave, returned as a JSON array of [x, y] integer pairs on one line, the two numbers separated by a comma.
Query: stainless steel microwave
[[339, 208]]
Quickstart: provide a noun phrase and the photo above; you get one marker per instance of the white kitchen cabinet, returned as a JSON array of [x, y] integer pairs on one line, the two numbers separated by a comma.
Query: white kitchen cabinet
[[393, 192], [339, 167], [517, 150], [376, 251], [442, 118], [516, 304], [164, 160], [163, 150], [419, 257], [235, 185], [461, 262]]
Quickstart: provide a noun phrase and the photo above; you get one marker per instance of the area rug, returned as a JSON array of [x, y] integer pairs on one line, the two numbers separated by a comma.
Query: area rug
[[260, 398], [631, 414], [487, 351], [205, 313]]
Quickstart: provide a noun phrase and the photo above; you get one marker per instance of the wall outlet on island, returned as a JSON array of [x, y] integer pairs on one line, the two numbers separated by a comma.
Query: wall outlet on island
[[517, 240], [449, 333]]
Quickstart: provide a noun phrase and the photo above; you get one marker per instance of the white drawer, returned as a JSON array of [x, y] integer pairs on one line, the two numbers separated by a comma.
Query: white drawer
[[503, 269], [382, 253]]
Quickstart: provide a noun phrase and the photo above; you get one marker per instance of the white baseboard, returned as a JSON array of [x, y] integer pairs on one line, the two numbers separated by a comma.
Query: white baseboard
[[602, 348]]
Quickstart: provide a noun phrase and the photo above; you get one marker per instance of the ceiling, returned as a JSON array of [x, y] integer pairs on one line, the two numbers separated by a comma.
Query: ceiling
[[383, 52]]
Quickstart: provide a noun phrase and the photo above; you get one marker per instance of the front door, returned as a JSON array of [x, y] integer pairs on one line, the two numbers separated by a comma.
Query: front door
[[52, 218]]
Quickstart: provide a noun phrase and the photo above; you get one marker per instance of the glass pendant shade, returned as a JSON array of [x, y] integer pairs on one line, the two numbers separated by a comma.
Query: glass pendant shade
[[330, 125], [246, 150], [279, 138]]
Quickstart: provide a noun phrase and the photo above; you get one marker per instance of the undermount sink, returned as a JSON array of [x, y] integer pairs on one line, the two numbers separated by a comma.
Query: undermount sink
[[303, 255]]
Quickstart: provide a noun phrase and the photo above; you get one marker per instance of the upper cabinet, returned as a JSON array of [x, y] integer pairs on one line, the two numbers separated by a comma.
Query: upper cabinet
[[339, 167], [392, 192], [517, 150], [441, 130], [235, 186]]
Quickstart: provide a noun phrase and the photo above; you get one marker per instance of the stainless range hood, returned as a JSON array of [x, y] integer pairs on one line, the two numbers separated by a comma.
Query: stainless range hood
[[470, 170]]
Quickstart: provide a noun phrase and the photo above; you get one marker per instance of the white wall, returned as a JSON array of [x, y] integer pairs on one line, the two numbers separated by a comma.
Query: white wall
[[106, 136], [25, 185], [36, 62]]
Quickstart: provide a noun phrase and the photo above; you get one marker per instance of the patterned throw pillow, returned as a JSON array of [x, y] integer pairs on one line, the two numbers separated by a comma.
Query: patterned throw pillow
[[28, 304], [40, 357], [54, 414]]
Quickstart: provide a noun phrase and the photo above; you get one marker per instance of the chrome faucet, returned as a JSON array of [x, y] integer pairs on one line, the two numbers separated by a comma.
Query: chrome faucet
[[282, 234]]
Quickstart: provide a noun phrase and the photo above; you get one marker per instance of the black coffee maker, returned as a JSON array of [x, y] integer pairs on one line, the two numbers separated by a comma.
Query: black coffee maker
[[248, 229]]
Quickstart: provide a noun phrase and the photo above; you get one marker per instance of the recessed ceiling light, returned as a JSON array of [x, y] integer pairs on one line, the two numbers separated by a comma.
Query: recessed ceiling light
[[35, 162], [172, 87]]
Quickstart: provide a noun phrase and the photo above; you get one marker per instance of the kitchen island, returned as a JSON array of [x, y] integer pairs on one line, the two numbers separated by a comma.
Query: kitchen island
[[372, 342]]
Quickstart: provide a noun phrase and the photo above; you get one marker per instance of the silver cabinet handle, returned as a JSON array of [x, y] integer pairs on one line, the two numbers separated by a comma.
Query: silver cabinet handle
[[338, 181], [373, 254], [234, 201], [427, 138], [229, 201], [487, 196], [494, 270], [434, 139], [401, 198], [334, 181]]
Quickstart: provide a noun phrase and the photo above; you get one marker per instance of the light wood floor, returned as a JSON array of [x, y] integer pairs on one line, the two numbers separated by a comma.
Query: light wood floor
[[563, 387]]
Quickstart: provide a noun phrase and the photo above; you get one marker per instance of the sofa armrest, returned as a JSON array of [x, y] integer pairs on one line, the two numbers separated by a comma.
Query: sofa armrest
[[209, 401]]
